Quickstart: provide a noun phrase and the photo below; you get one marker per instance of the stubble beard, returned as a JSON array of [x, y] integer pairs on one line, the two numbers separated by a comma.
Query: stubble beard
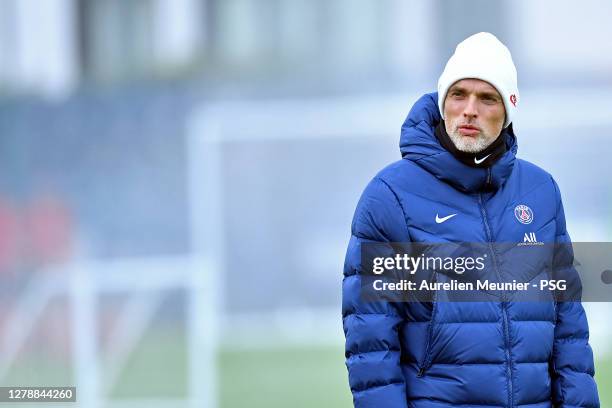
[[469, 144]]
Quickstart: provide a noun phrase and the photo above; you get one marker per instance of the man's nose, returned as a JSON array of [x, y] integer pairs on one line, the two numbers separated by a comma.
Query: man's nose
[[471, 110]]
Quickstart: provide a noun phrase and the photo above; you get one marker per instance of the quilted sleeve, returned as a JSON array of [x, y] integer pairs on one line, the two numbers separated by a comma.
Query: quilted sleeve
[[371, 328], [572, 368]]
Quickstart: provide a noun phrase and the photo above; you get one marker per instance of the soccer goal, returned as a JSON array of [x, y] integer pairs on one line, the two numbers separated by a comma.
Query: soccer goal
[[273, 185]]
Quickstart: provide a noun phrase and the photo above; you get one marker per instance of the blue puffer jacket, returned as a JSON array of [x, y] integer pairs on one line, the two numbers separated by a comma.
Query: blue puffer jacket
[[443, 354]]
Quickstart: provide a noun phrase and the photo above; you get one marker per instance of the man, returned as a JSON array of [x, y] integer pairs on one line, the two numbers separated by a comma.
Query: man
[[459, 181]]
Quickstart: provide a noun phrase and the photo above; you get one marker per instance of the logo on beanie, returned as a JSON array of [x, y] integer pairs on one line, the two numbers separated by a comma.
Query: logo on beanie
[[513, 99], [523, 214]]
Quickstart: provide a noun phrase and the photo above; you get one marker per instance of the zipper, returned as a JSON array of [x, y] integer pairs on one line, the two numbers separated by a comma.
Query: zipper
[[504, 303], [428, 354]]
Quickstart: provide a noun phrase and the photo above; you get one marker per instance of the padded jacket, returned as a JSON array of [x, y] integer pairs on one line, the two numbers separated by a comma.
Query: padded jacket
[[460, 354]]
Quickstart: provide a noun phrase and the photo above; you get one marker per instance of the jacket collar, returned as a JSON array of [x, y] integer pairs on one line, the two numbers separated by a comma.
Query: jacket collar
[[418, 143]]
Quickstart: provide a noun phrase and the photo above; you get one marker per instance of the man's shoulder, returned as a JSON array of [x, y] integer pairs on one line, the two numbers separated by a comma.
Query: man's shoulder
[[532, 179], [401, 171], [532, 173], [386, 190]]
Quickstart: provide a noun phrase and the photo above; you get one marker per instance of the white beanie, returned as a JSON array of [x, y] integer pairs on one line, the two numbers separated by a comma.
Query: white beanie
[[482, 56]]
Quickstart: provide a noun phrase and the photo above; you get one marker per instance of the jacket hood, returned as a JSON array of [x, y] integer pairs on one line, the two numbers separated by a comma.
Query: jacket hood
[[418, 143]]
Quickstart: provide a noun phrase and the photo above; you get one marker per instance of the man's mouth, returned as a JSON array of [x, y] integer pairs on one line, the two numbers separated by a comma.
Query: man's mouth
[[468, 130]]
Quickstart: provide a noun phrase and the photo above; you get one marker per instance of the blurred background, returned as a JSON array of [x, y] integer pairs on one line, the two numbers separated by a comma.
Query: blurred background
[[178, 177]]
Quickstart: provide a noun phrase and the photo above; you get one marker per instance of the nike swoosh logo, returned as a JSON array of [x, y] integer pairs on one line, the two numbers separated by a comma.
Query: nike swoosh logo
[[441, 220], [481, 160]]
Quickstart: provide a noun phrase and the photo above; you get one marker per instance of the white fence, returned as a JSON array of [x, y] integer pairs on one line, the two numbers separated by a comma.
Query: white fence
[[145, 281]]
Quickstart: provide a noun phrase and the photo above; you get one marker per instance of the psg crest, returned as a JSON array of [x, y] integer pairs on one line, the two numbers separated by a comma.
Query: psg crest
[[523, 214]]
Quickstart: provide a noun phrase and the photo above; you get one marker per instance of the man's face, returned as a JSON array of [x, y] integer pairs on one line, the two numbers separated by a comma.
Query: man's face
[[474, 114]]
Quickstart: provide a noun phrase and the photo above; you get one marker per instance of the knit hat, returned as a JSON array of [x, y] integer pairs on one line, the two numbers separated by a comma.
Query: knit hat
[[482, 56]]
